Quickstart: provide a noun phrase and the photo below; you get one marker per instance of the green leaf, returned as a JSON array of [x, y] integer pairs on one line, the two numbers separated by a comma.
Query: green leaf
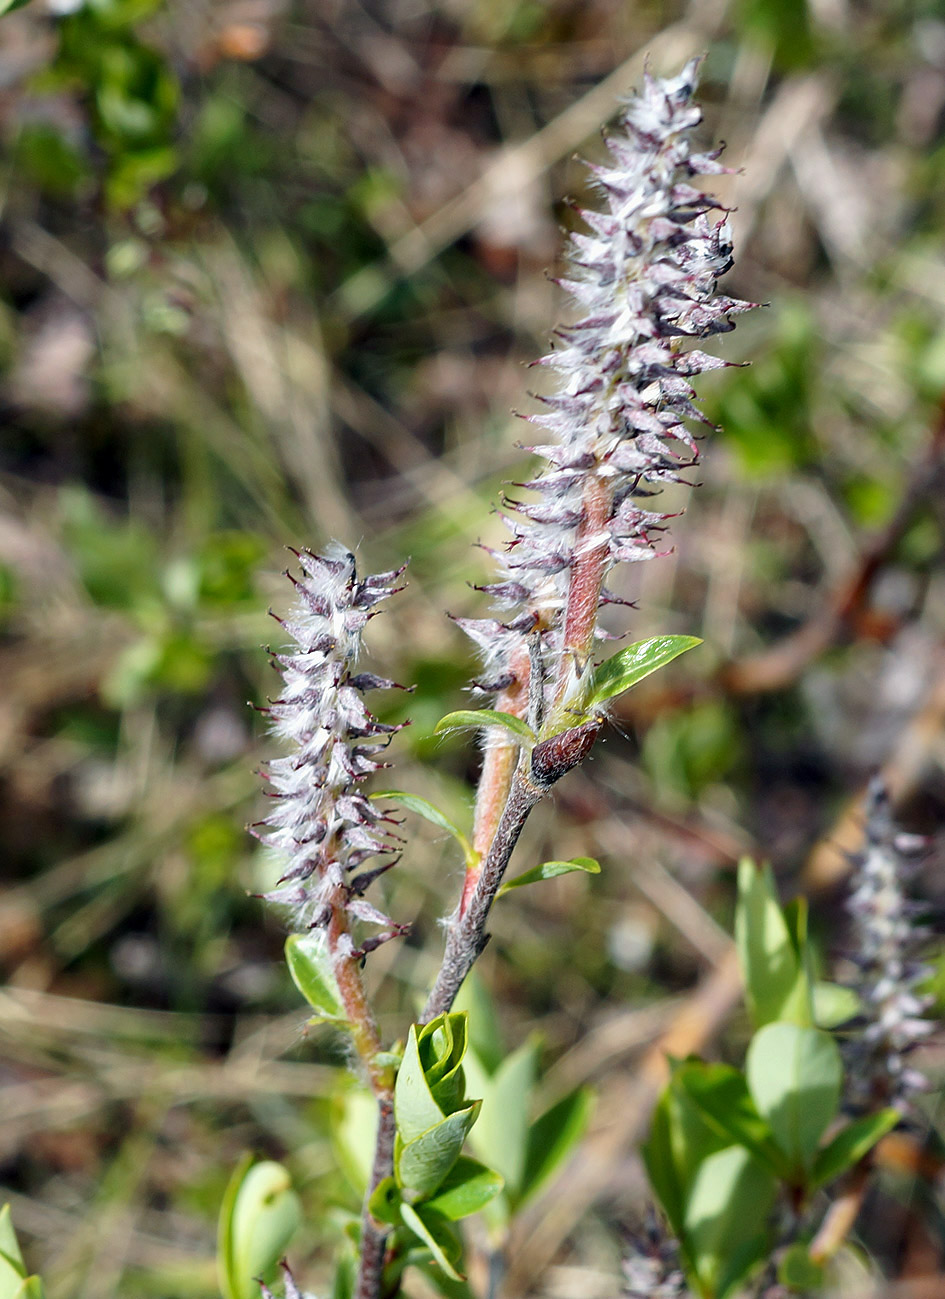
[[632, 664], [11, 1277], [795, 1075], [834, 1004], [680, 1140], [721, 1095], [7, 6], [415, 1109], [443, 1284], [549, 870], [259, 1216], [796, 917], [798, 1271], [479, 717], [353, 1130], [31, 1288], [660, 1163], [414, 803], [501, 1134], [309, 963], [9, 1246], [485, 1036], [436, 1234], [850, 1145], [385, 1201], [225, 1245], [725, 1218], [346, 1275], [14, 1283], [467, 1188], [551, 1139], [423, 1164], [442, 1047], [776, 986]]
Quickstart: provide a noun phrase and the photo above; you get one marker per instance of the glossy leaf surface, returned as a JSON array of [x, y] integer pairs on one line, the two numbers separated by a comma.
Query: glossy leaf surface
[[259, 1216], [309, 965], [550, 870], [476, 718], [630, 665], [468, 1187]]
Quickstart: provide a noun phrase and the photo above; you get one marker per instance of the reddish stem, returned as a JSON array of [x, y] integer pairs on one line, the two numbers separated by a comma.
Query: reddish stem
[[591, 549], [498, 768], [347, 971]]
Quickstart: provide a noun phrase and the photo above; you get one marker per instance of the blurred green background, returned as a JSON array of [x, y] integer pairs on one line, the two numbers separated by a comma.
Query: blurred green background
[[269, 273]]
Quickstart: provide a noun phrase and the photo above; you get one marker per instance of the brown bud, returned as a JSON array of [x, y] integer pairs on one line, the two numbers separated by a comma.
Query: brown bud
[[554, 757]]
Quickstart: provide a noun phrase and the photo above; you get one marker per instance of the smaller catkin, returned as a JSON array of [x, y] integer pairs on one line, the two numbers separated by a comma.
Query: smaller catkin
[[322, 826], [887, 945]]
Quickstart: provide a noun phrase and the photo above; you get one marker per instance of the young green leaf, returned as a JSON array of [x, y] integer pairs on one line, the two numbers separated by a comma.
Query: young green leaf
[[422, 1165], [476, 718], [414, 1107], [11, 1277], [353, 1129], [468, 1187], [346, 1274], [797, 918], [385, 1201], [309, 965], [721, 1095], [485, 1035], [632, 664], [552, 1138], [435, 1232], [441, 1283], [30, 1288], [680, 1141], [725, 1219], [501, 1134], [442, 1048], [850, 1145], [834, 1004], [14, 1283], [549, 870], [258, 1218], [794, 1075], [414, 803], [776, 985], [799, 1272], [659, 1159], [9, 1245]]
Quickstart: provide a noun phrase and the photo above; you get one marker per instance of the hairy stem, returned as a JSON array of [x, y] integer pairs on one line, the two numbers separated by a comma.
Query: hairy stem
[[466, 936], [498, 767], [591, 551], [465, 942], [360, 1017], [366, 1039], [373, 1234]]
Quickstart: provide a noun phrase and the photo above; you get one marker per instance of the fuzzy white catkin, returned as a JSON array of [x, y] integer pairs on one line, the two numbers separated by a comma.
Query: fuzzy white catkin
[[887, 944], [644, 276], [322, 827]]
